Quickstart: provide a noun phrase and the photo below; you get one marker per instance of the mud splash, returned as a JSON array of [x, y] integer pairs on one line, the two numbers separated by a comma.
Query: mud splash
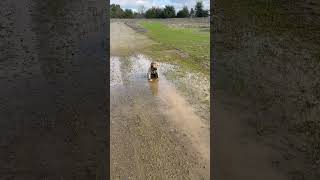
[[159, 108]]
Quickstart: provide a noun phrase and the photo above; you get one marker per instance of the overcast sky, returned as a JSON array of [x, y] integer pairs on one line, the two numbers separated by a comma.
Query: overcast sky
[[178, 4]]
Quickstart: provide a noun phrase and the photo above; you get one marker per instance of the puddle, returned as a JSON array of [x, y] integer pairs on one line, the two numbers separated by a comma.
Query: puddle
[[129, 76], [116, 76]]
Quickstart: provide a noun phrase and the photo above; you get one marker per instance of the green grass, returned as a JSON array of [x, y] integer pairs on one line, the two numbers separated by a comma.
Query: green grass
[[193, 42]]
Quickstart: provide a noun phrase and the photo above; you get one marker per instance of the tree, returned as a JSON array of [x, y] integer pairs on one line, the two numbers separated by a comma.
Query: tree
[[191, 13], [141, 9], [199, 11], [205, 13], [136, 15], [154, 12], [116, 11], [169, 12], [141, 12], [128, 13], [183, 13]]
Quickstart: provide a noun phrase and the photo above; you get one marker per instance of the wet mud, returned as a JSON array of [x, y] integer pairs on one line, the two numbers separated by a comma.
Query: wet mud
[[53, 90]]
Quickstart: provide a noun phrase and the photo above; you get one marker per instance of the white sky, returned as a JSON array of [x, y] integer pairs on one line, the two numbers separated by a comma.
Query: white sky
[[178, 4]]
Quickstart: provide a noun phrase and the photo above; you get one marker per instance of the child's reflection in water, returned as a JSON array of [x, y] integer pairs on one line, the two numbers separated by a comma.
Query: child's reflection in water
[[154, 87]]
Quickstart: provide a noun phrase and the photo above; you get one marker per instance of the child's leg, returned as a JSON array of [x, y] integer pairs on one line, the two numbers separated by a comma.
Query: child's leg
[[149, 76]]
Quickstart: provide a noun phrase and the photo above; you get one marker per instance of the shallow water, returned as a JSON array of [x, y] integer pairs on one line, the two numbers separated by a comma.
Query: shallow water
[[132, 95]]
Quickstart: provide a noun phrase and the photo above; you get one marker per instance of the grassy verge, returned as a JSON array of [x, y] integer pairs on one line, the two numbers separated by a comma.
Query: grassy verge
[[187, 47]]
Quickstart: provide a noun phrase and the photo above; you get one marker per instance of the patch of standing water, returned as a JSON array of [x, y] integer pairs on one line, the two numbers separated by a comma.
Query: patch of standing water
[[179, 111], [133, 72], [134, 69], [142, 64], [115, 72]]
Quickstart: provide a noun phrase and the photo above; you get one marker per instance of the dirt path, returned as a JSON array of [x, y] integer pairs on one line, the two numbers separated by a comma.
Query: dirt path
[[155, 133], [124, 40]]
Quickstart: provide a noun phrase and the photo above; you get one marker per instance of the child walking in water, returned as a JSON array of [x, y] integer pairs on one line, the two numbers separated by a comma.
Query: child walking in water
[[152, 72]]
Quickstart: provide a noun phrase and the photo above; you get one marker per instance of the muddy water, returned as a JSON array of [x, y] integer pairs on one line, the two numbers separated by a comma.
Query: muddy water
[[154, 131]]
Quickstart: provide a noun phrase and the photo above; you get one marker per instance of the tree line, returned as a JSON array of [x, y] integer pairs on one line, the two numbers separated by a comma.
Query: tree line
[[155, 12]]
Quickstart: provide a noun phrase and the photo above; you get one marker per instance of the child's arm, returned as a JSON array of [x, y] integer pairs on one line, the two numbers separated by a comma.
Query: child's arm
[[149, 74]]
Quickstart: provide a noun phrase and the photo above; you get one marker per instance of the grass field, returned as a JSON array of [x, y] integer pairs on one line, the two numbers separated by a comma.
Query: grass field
[[189, 47]]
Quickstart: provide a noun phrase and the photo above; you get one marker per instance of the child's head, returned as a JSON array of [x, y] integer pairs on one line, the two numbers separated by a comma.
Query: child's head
[[154, 65]]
